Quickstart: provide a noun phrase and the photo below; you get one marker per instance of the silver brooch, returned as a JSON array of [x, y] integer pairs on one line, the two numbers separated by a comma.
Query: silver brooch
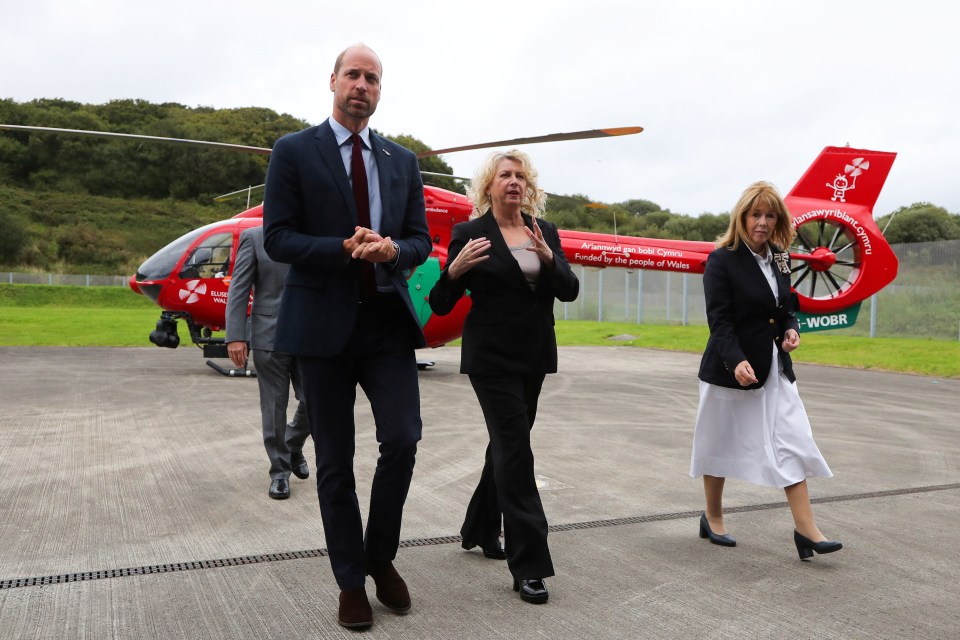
[[783, 262]]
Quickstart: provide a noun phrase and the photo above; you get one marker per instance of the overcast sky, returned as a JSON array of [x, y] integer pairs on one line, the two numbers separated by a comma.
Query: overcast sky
[[727, 92]]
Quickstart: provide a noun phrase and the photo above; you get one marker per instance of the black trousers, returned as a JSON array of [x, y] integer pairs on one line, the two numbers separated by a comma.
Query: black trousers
[[507, 482], [380, 357]]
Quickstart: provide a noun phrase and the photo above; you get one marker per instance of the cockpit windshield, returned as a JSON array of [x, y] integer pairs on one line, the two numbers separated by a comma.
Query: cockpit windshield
[[210, 259], [161, 264]]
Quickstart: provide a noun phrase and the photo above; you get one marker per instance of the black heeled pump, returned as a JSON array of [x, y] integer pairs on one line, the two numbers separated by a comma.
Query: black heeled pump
[[705, 532], [806, 546], [494, 551], [532, 591]]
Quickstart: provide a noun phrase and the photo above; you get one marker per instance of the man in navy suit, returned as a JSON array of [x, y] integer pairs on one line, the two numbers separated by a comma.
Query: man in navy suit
[[344, 207]]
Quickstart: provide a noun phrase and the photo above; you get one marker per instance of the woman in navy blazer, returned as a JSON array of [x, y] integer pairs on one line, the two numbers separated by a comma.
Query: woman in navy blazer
[[751, 423], [514, 268]]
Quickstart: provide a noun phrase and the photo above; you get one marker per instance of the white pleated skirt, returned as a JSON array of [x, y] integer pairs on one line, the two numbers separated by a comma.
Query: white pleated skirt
[[761, 435]]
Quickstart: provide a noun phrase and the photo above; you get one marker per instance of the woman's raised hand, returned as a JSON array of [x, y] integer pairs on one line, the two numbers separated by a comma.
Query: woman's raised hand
[[539, 245], [472, 253]]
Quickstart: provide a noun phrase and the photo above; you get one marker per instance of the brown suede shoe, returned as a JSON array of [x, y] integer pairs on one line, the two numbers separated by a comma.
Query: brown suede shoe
[[355, 611], [391, 589]]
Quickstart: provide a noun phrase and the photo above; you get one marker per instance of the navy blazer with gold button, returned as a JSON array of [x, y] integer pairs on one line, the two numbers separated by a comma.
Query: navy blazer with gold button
[[744, 317]]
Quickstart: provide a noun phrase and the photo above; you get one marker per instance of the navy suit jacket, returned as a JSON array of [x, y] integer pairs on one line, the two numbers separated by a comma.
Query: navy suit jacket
[[309, 210], [744, 317], [509, 328]]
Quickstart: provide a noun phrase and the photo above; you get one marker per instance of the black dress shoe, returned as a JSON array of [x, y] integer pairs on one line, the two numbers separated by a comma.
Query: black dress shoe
[[279, 489], [493, 551], [705, 532], [300, 467], [532, 591], [806, 546]]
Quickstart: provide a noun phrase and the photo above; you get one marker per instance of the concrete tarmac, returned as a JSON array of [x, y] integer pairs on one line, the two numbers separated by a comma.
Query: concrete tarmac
[[133, 504]]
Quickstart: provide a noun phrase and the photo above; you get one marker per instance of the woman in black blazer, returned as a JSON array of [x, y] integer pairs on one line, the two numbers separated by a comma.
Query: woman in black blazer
[[751, 423], [514, 268]]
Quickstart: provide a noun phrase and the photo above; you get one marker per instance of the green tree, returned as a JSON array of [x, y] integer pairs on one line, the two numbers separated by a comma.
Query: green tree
[[130, 169], [640, 207], [572, 212], [920, 222], [13, 238], [433, 164], [711, 225]]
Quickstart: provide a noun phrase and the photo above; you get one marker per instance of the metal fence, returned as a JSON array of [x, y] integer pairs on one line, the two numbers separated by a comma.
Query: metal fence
[[11, 277], [923, 301], [637, 296]]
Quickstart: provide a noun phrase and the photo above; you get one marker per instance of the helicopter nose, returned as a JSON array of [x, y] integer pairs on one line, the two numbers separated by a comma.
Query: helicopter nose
[[148, 288]]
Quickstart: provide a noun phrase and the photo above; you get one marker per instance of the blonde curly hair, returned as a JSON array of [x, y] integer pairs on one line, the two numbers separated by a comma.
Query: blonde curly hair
[[534, 200]]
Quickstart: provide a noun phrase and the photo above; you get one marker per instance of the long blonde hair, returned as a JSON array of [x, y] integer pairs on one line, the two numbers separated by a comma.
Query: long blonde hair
[[534, 200], [759, 194]]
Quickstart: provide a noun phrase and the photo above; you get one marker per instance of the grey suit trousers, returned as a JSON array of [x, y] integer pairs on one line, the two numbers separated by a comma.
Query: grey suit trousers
[[284, 444]]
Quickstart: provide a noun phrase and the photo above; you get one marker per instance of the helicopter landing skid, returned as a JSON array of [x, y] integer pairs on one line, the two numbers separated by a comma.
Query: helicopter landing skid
[[423, 364], [232, 373]]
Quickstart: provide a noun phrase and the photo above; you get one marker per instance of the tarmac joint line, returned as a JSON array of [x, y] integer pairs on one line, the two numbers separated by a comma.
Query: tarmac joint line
[[41, 581]]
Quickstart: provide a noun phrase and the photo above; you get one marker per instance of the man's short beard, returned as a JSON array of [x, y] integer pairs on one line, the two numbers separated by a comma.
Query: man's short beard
[[354, 112]]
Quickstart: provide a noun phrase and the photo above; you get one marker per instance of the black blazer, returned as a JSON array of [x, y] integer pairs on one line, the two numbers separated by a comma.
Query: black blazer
[[509, 328], [744, 317], [308, 211]]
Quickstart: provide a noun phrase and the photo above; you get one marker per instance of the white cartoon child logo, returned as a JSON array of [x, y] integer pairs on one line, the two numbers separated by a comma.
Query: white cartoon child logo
[[841, 184]]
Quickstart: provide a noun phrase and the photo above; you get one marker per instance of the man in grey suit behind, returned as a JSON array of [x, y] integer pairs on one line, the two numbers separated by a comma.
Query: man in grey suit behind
[[283, 442]]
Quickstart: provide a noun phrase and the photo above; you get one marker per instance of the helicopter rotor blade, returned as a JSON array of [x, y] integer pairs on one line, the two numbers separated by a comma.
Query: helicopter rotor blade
[[581, 201], [444, 175], [577, 200], [553, 137], [239, 192], [132, 136]]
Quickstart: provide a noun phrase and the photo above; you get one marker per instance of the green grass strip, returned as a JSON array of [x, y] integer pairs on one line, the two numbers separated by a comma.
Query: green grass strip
[[42, 315]]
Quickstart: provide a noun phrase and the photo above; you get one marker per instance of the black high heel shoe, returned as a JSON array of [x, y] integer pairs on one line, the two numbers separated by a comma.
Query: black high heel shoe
[[723, 540], [806, 546], [494, 551], [532, 591]]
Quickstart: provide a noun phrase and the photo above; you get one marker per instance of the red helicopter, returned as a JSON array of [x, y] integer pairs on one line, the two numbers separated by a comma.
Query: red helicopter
[[839, 257]]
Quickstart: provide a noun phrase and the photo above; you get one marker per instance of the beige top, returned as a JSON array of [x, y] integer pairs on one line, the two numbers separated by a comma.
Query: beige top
[[528, 260]]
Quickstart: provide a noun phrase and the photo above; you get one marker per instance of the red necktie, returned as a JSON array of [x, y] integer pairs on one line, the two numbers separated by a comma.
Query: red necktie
[[361, 195]]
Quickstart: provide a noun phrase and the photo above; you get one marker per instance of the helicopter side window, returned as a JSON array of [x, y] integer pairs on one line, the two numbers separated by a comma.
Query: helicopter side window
[[210, 259]]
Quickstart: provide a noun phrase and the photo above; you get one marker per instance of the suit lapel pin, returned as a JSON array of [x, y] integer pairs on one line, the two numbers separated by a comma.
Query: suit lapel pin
[[385, 151]]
